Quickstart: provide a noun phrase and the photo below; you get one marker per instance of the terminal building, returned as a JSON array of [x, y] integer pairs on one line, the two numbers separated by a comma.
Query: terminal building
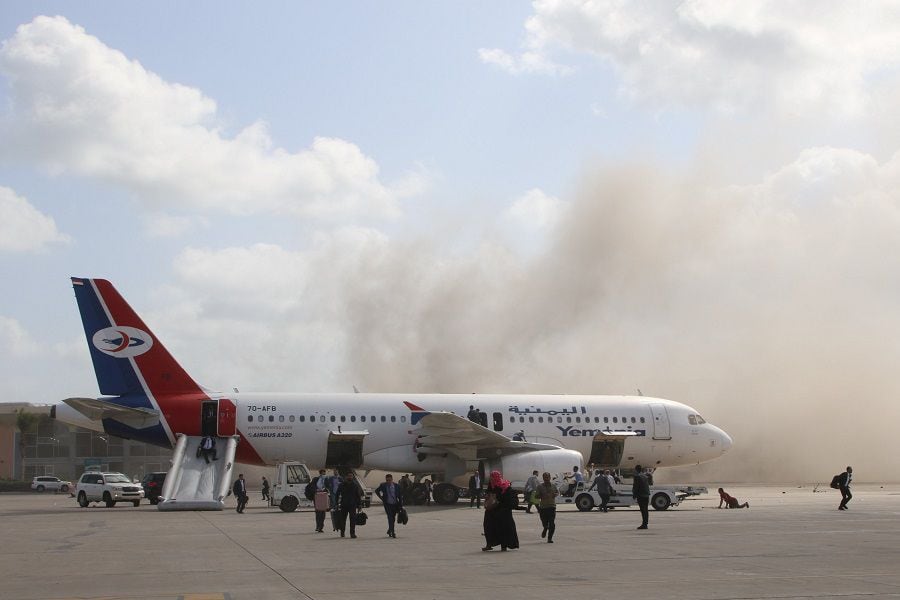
[[49, 447]]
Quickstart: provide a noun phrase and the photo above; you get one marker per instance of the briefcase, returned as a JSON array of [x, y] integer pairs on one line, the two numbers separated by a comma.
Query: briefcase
[[402, 517], [361, 518]]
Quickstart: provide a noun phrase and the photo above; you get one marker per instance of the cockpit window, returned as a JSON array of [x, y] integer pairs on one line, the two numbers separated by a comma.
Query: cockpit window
[[692, 419], [700, 420]]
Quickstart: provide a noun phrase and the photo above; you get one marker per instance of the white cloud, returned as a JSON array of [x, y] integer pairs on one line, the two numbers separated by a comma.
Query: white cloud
[[23, 228], [79, 106], [165, 225], [15, 341], [527, 62], [536, 210], [797, 58]]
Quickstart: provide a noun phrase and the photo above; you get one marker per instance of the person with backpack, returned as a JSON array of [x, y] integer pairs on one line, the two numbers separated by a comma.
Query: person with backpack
[[842, 482]]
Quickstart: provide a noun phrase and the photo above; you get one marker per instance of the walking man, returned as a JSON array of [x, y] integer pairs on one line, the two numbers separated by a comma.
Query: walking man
[[475, 489], [390, 496], [321, 499], [844, 486], [530, 487], [640, 489], [240, 492], [546, 494], [348, 501], [604, 489]]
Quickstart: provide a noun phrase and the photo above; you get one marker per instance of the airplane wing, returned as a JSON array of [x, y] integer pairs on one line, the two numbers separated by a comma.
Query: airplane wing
[[97, 410], [451, 433]]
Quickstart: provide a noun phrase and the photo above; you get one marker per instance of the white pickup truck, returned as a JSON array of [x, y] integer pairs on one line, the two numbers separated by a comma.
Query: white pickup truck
[[661, 496]]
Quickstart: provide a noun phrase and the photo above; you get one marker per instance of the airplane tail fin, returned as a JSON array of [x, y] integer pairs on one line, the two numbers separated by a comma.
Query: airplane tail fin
[[128, 358]]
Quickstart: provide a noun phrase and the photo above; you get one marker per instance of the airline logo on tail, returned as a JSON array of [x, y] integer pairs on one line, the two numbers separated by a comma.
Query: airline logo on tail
[[122, 342]]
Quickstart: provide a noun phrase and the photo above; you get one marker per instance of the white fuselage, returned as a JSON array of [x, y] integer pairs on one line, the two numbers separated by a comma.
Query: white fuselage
[[284, 427]]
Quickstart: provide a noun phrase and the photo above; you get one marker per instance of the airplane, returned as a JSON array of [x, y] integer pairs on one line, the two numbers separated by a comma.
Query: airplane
[[148, 396]]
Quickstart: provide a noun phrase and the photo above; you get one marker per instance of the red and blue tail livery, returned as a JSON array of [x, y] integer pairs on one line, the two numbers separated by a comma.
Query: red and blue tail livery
[[134, 367]]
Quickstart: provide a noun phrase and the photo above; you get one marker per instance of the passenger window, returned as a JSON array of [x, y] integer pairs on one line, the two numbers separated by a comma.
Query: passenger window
[[291, 418], [606, 419], [333, 419], [403, 418], [281, 418], [302, 418], [512, 419], [393, 419], [362, 419], [559, 419], [373, 418], [259, 418], [383, 419], [249, 418], [343, 419], [531, 419], [568, 419], [321, 418], [596, 419], [642, 420], [352, 419], [578, 419], [541, 419], [271, 418], [615, 419], [521, 419], [633, 420]]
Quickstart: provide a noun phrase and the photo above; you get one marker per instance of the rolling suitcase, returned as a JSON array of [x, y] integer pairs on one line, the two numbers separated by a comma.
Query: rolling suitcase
[[322, 501]]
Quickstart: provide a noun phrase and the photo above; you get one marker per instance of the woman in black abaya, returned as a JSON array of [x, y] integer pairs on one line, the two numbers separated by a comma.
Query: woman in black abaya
[[499, 526]]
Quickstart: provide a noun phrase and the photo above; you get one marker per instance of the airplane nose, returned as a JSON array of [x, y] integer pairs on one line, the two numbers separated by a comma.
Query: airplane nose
[[725, 441]]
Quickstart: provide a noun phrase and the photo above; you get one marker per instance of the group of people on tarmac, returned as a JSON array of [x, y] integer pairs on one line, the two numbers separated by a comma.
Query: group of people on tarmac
[[343, 497]]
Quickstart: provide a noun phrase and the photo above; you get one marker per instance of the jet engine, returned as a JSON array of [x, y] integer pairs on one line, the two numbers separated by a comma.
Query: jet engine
[[518, 467]]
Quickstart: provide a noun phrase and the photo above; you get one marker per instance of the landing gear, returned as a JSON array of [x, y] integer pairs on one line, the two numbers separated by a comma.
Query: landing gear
[[445, 493]]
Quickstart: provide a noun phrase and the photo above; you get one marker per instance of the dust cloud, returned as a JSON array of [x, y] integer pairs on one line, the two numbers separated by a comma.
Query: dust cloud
[[770, 308]]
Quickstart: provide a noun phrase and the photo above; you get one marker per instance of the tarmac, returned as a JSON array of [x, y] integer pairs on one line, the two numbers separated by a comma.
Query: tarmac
[[791, 543]]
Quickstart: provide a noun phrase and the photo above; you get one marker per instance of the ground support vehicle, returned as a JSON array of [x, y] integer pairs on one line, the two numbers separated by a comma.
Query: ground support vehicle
[[289, 487], [661, 496]]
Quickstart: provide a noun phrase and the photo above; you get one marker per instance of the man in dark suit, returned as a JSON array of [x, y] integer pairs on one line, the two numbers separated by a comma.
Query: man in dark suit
[[640, 489], [392, 500], [348, 501], [475, 489], [844, 486], [240, 492]]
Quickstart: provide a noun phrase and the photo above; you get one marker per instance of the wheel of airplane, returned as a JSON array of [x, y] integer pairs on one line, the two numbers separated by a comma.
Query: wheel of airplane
[[660, 501], [445, 493], [419, 494], [289, 504], [584, 502]]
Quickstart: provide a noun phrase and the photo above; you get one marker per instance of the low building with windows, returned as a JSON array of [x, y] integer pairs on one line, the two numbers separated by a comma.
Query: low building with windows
[[50, 447]]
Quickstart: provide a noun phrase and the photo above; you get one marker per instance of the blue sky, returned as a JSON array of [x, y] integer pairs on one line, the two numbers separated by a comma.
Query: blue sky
[[693, 198]]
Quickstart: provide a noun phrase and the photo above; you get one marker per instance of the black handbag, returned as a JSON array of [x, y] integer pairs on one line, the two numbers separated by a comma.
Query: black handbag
[[402, 517], [361, 518]]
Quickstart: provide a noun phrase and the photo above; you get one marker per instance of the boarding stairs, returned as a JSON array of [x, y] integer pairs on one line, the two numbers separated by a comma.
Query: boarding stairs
[[191, 483]]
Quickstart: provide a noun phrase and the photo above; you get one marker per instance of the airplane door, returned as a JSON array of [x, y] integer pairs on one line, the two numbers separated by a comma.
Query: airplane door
[[661, 430], [227, 418], [607, 450], [345, 449], [208, 418]]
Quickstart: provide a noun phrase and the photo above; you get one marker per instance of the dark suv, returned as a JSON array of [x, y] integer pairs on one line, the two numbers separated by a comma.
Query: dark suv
[[153, 484]]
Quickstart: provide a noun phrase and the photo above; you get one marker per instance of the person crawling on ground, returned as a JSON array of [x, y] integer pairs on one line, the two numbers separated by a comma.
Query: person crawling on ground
[[730, 501]]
